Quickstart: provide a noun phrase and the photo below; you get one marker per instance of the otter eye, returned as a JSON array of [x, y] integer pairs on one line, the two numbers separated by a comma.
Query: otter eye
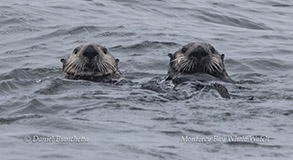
[[75, 50], [184, 49], [105, 50]]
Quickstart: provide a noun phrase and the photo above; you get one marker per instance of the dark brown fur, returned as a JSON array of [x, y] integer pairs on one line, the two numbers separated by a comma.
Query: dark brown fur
[[198, 57]]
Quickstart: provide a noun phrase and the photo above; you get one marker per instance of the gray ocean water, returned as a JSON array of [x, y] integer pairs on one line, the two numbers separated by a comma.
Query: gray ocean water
[[45, 116]]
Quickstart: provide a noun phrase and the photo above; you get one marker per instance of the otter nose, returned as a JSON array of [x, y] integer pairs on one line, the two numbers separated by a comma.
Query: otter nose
[[90, 52], [198, 53]]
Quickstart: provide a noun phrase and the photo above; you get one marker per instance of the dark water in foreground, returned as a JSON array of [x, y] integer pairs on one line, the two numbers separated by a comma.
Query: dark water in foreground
[[122, 122]]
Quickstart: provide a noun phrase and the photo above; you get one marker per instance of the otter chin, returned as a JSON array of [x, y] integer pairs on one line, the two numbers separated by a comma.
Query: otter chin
[[196, 59], [93, 62]]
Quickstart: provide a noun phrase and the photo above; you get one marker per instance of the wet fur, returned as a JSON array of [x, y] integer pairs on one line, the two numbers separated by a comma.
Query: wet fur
[[100, 67], [212, 64]]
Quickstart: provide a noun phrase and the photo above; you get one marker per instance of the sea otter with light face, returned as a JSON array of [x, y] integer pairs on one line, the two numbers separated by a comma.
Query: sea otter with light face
[[91, 62], [198, 58], [199, 62]]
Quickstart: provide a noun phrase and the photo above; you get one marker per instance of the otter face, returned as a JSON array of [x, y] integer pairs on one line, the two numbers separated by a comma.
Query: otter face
[[90, 61], [198, 58]]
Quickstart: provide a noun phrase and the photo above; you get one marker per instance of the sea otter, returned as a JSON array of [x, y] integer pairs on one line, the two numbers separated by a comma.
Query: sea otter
[[92, 62], [198, 58], [201, 63]]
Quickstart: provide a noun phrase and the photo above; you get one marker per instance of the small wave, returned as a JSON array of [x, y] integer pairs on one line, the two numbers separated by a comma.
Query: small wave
[[25, 78], [86, 109], [7, 86], [253, 144], [151, 44], [277, 112], [240, 22], [61, 32], [10, 120], [164, 119], [82, 29], [70, 31], [288, 112], [137, 109], [172, 133], [115, 34], [12, 21], [29, 73], [80, 119], [281, 5], [274, 37], [270, 64], [207, 133], [52, 88]]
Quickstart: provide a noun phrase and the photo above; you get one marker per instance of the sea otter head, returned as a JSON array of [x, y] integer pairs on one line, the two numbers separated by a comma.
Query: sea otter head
[[198, 57], [91, 62]]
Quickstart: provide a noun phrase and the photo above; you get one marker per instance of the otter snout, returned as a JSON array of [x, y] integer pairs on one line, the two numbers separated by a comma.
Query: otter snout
[[199, 53], [90, 52]]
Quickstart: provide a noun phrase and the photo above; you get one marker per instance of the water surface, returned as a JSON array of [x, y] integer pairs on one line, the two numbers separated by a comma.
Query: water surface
[[125, 122]]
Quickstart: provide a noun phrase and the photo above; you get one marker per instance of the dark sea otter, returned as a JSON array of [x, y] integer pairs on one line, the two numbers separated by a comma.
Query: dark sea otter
[[91, 62], [200, 63]]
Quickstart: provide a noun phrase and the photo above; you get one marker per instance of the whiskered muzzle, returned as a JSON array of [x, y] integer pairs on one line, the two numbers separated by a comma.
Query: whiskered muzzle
[[216, 64], [206, 64], [105, 66], [83, 67], [74, 67]]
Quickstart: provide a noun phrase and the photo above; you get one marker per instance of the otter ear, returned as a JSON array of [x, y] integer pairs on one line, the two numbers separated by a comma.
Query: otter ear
[[170, 55], [222, 56], [117, 61], [63, 60]]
